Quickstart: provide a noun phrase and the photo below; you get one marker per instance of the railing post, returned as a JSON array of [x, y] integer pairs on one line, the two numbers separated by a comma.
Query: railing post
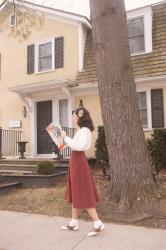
[[0, 142]]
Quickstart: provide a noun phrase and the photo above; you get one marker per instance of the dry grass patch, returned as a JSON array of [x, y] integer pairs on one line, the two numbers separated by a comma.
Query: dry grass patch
[[50, 201]]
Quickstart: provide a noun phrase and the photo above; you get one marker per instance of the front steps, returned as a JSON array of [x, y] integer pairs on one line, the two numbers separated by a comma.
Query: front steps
[[28, 166]]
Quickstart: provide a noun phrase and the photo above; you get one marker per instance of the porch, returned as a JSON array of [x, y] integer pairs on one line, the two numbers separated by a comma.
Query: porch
[[9, 145]]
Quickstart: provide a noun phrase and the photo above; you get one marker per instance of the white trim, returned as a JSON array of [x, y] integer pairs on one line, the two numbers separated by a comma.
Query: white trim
[[55, 113], [148, 106], [37, 44], [161, 79], [85, 89], [151, 85], [147, 13], [55, 118], [33, 129], [59, 13], [70, 107], [30, 88], [141, 83], [27, 102], [81, 47], [67, 91]]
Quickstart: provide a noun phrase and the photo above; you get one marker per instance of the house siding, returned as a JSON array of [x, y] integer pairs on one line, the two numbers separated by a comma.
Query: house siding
[[154, 64], [144, 65], [14, 70]]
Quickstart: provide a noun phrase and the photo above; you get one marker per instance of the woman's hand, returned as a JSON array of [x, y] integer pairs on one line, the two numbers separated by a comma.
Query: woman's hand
[[63, 134]]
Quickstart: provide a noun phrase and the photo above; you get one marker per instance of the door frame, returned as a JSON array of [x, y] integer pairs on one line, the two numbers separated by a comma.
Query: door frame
[[55, 113]]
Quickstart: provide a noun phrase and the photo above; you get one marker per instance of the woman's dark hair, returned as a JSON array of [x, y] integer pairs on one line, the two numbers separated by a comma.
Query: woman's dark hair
[[84, 118]]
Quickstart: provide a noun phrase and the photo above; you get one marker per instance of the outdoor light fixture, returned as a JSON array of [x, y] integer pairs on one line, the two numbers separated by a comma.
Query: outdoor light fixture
[[81, 104], [24, 111]]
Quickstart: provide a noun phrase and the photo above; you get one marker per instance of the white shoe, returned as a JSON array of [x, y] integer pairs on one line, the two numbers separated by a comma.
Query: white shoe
[[96, 231], [68, 227]]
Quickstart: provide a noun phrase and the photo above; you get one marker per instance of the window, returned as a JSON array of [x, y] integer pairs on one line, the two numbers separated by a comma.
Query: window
[[136, 35], [140, 30], [151, 108], [45, 57], [12, 20], [142, 100]]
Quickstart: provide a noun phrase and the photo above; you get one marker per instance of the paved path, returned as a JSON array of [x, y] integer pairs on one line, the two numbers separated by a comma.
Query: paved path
[[22, 231]]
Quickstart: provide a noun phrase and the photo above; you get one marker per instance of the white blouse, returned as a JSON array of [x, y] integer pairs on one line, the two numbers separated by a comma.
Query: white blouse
[[81, 140]]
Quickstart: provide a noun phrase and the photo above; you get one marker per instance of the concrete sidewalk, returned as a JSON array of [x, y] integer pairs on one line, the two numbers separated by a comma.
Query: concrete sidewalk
[[22, 231]]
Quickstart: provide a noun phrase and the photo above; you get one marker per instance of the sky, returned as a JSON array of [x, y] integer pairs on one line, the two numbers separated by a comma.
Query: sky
[[82, 6]]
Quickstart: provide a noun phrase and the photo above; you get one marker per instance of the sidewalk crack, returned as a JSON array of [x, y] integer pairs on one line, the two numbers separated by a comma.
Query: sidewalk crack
[[74, 247]]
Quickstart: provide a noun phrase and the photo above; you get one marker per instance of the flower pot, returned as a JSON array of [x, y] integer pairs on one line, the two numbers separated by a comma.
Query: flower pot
[[21, 148]]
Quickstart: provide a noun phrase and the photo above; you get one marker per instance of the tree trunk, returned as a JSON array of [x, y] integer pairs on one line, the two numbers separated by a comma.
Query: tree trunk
[[132, 184]]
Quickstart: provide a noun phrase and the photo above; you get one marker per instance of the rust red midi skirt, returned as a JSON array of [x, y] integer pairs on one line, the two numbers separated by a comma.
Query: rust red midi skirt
[[81, 190]]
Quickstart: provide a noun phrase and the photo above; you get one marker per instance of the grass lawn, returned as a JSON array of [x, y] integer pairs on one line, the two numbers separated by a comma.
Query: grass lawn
[[50, 201]]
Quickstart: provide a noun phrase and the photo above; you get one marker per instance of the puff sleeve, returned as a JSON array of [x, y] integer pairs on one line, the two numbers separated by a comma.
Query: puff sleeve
[[81, 141]]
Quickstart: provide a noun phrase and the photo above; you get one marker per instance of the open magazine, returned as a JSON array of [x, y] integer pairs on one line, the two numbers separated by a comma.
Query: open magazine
[[54, 130]]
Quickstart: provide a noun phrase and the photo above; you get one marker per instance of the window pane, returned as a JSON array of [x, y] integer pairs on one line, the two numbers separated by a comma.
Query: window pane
[[136, 35], [45, 63], [137, 44], [45, 56], [45, 49], [63, 112], [143, 108], [142, 99], [136, 26], [143, 114]]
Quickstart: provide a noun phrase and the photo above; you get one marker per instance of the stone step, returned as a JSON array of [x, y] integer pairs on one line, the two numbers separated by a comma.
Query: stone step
[[32, 161], [32, 168], [10, 165], [17, 167], [15, 172]]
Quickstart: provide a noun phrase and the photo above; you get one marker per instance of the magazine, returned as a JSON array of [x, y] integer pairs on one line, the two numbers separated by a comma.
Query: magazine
[[54, 130]]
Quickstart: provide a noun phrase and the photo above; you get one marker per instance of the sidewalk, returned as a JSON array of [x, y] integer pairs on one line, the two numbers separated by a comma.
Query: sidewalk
[[21, 231]]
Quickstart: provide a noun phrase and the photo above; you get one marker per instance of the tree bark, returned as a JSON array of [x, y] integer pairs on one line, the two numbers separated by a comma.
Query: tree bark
[[132, 184]]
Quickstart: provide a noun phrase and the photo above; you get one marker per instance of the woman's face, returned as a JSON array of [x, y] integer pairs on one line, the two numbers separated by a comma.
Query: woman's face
[[75, 118]]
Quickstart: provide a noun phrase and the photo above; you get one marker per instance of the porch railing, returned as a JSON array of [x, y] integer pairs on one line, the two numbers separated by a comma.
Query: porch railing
[[8, 142], [70, 133], [9, 139]]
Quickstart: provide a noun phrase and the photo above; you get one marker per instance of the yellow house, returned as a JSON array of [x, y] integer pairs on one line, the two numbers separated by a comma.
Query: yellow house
[[44, 77]]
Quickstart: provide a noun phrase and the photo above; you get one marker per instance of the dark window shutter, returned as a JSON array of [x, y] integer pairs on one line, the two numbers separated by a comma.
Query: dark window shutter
[[157, 108], [59, 52], [30, 58]]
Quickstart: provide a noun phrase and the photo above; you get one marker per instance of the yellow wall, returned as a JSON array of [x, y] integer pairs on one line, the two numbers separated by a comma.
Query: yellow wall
[[13, 73], [93, 106], [14, 68]]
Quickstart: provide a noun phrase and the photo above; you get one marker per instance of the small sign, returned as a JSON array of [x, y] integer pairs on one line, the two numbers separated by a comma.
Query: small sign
[[15, 124]]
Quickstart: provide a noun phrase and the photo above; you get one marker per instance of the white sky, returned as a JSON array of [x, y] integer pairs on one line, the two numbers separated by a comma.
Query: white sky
[[82, 6]]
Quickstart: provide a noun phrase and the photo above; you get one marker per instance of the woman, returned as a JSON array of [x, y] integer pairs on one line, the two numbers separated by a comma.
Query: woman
[[81, 190]]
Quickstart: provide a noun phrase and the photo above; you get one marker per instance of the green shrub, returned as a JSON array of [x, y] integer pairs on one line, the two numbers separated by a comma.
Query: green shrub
[[157, 146], [45, 167], [101, 152]]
